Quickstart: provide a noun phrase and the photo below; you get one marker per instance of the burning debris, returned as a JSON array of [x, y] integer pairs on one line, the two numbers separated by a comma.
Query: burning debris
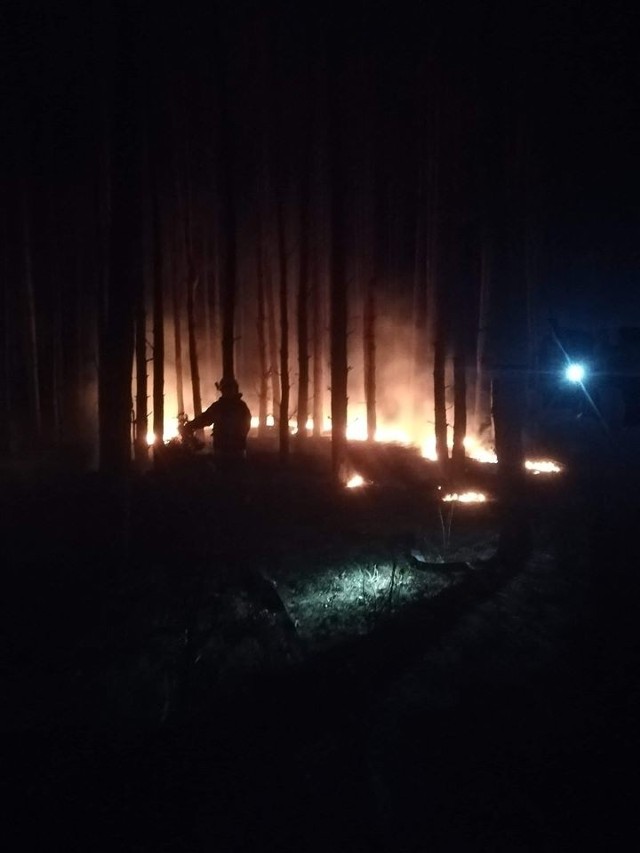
[[355, 481], [465, 497], [170, 432], [542, 466]]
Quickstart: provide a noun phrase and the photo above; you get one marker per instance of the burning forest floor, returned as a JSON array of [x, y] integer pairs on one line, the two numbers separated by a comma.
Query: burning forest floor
[[287, 666]]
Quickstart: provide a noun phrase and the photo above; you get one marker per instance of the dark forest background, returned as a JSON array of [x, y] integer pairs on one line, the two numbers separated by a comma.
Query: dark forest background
[[385, 200]]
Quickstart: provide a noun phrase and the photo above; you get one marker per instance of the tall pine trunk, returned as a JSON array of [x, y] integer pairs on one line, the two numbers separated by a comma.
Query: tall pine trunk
[[482, 395], [510, 350], [273, 340], [192, 285], [177, 329], [303, 309], [440, 398], [158, 324], [5, 342], [460, 409], [31, 332], [283, 429], [193, 281], [369, 330], [318, 372], [338, 293], [263, 391], [420, 346], [208, 309], [142, 395]]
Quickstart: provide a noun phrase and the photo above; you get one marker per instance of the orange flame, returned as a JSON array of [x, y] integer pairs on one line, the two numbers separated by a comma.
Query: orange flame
[[355, 481], [465, 497]]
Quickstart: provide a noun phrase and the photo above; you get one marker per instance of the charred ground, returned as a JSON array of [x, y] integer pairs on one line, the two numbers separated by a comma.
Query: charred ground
[[297, 667]]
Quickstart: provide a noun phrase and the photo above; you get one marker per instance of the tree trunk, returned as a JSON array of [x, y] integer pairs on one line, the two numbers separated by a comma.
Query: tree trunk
[[508, 409], [141, 449], [5, 345], [158, 325], [420, 345], [284, 336], [510, 350], [273, 340], [192, 285], [177, 331], [482, 396], [192, 280], [228, 226], [125, 268], [369, 328], [439, 399], [303, 304], [460, 410], [263, 391], [208, 311], [338, 296], [318, 380], [59, 413], [31, 336]]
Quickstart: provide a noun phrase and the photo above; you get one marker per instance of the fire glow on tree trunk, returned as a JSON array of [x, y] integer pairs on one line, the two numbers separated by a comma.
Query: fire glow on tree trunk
[[262, 344], [284, 335], [339, 304], [273, 340], [158, 323], [125, 268], [303, 300], [141, 425], [316, 302], [460, 410], [192, 285], [370, 359], [439, 399]]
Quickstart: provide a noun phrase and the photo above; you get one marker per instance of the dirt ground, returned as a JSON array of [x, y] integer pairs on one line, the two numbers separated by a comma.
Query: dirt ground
[[287, 666]]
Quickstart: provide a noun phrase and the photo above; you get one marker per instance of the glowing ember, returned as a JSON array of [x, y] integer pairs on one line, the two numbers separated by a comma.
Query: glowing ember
[[355, 481], [542, 466], [465, 497], [170, 431], [479, 452]]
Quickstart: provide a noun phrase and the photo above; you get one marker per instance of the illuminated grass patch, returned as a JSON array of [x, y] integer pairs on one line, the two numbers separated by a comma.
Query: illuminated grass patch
[[332, 604]]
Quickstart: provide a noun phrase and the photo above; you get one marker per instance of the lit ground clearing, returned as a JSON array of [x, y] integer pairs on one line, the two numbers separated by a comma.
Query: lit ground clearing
[[332, 597]]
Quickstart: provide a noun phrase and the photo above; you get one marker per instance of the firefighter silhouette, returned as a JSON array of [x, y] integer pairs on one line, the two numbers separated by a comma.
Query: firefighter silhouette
[[231, 421]]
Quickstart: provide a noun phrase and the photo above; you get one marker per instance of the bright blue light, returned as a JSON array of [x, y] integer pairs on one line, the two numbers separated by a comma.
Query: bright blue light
[[575, 373]]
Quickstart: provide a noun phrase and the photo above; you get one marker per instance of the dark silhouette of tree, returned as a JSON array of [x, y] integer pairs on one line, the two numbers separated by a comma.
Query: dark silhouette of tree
[[509, 345], [158, 318], [141, 450], [125, 248], [31, 330], [176, 306], [369, 334], [317, 304], [482, 395], [261, 320], [6, 405], [303, 299], [283, 426], [192, 288], [338, 278], [273, 338], [228, 226]]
